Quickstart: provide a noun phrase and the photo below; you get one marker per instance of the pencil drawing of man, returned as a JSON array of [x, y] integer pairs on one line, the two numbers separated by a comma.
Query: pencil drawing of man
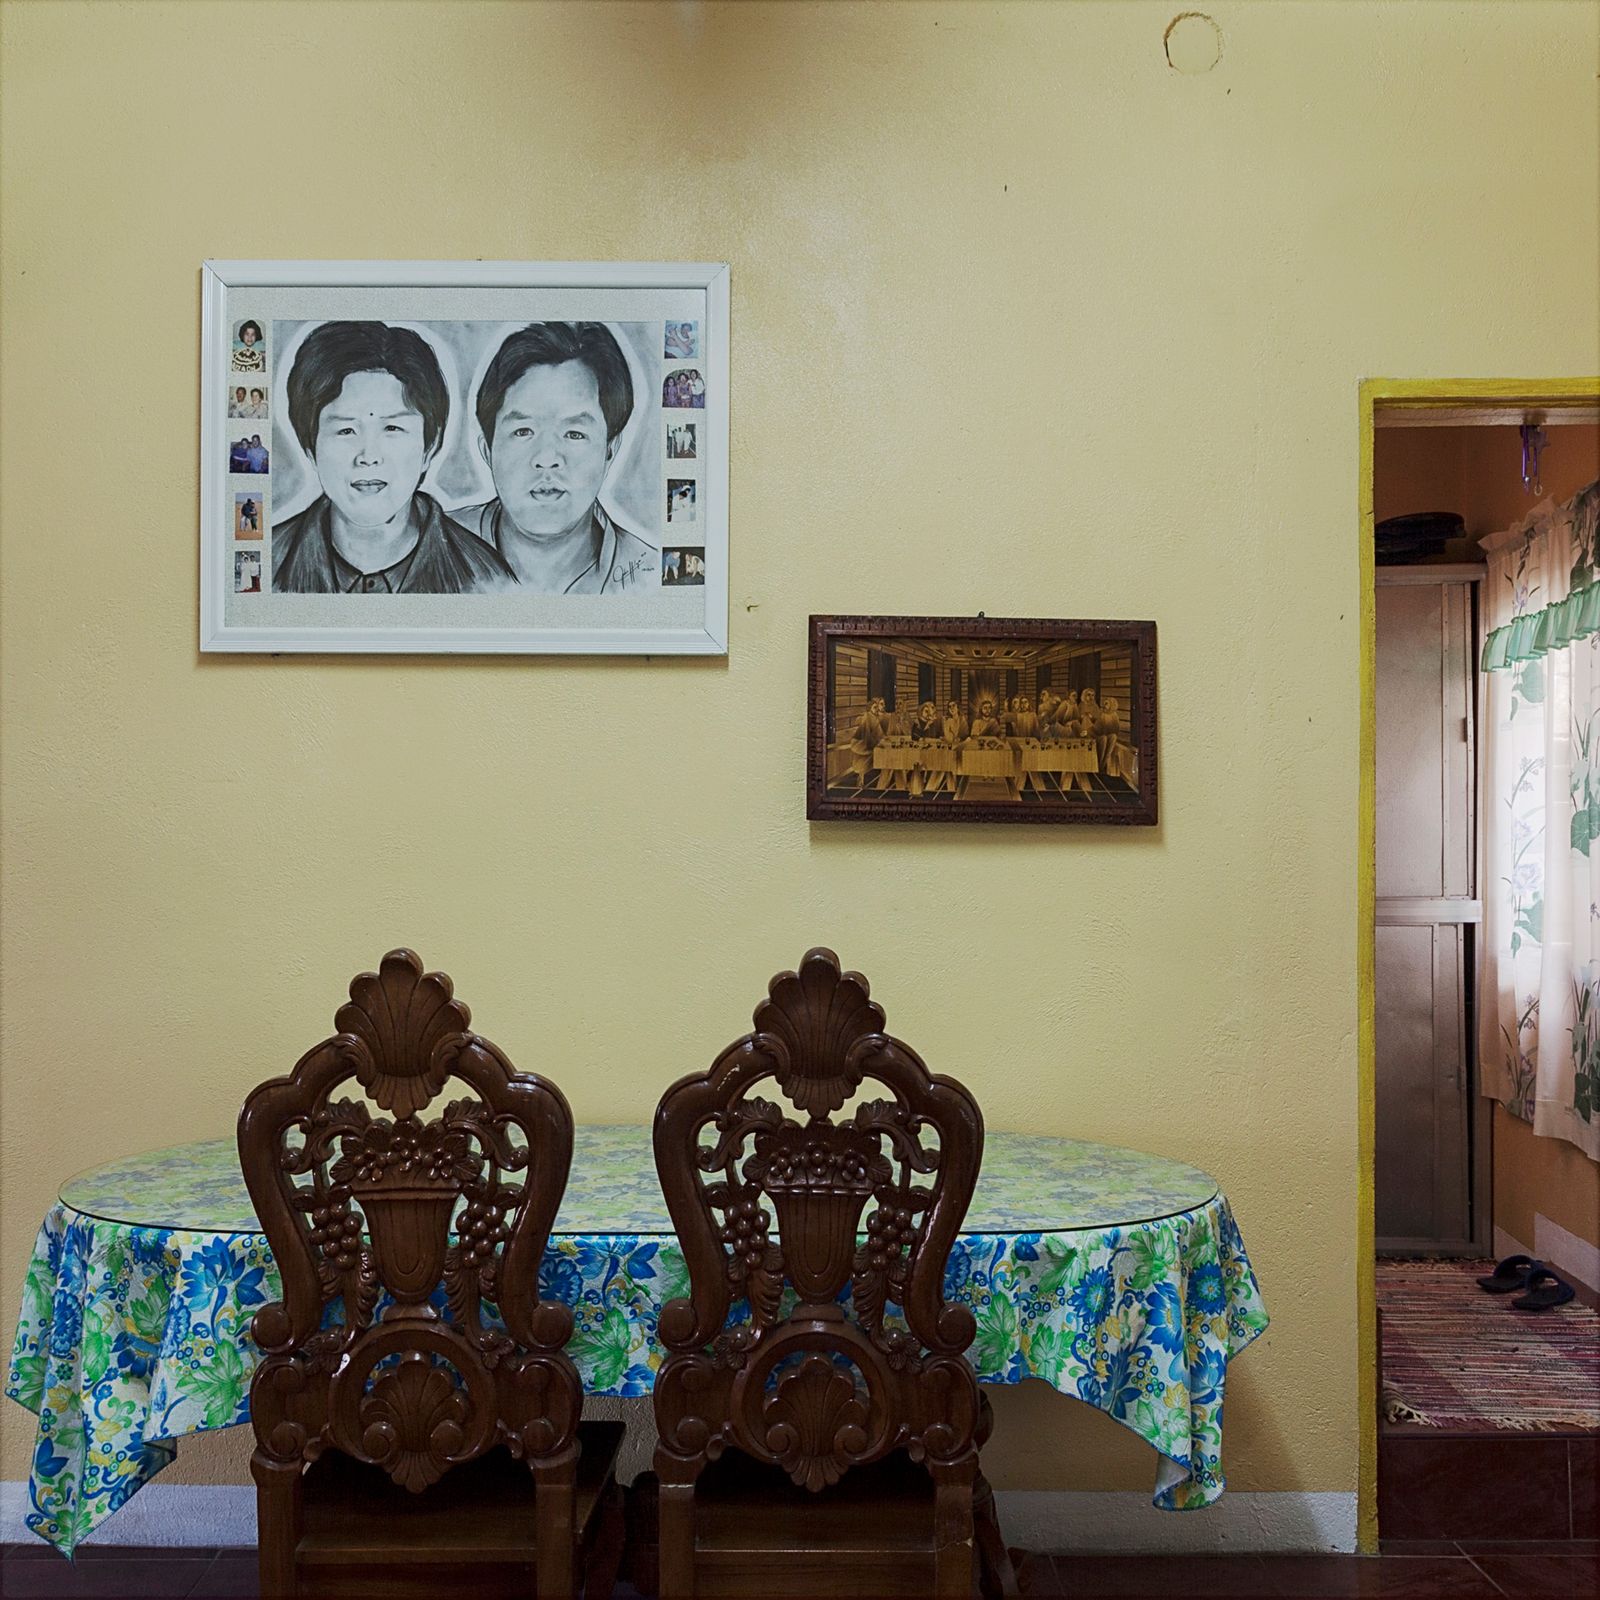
[[551, 407]]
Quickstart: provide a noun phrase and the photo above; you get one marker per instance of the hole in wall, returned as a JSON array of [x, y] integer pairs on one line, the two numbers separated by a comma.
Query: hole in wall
[[1193, 43]]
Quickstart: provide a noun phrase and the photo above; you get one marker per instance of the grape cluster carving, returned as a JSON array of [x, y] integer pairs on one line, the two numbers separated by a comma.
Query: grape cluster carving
[[336, 1232], [433, 1152], [745, 1228], [811, 1165], [889, 1230], [482, 1230]]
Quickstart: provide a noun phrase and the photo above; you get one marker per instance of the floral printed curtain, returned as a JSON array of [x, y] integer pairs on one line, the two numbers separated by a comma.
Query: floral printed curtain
[[1539, 1016]]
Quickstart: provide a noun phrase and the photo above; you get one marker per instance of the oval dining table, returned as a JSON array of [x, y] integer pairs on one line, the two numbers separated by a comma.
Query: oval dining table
[[1117, 1277]]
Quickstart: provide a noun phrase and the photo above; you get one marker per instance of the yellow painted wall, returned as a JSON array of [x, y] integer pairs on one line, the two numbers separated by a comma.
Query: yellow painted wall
[[1023, 320]]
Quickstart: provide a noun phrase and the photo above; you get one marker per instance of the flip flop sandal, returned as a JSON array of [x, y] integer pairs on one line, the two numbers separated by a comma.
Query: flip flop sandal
[[1512, 1273], [1546, 1290]]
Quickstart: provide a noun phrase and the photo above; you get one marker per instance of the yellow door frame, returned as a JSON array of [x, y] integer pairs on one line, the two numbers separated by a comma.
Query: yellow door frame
[[1414, 395]]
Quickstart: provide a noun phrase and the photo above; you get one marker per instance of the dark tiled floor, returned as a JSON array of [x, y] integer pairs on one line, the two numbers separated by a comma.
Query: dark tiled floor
[[1436, 1484], [1423, 1568], [1584, 1464], [107, 1573], [1438, 1571]]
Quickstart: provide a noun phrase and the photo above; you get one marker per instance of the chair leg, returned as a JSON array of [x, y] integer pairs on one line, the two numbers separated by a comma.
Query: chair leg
[[641, 1540], [555, 1560], [997, 1576], [277, 1527], [675, 1524], [603, 1558], [952, 1536]]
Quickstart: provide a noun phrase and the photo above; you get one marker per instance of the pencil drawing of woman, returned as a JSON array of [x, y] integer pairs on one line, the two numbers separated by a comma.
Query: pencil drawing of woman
[[368, 403]]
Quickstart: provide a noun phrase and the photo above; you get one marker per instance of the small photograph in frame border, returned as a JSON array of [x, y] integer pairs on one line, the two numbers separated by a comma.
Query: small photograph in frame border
[[987, 719], [467, 457]]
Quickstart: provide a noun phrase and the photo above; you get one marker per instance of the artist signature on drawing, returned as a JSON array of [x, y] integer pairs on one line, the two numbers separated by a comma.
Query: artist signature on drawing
[[633, 572]]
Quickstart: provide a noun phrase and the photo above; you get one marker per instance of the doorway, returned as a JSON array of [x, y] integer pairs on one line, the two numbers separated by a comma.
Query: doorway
[[1423, 931]]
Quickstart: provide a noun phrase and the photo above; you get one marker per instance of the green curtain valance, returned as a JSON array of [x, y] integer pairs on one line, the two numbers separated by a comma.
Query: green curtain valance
[[1529, 637]]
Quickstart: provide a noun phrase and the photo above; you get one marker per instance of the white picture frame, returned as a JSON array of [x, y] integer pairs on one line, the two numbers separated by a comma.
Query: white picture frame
[[286, 559]]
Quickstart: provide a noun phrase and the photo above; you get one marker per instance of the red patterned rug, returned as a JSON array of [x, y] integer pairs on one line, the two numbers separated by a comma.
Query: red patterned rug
[[1456, 1357]]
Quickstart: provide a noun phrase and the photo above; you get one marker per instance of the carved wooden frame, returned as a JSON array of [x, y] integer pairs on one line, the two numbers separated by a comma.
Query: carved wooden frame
[[402, 1037], [818, 1036], [1140, 639]]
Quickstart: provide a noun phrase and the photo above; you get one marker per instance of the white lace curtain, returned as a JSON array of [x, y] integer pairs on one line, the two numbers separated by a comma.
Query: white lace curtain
[[1539, 1016]]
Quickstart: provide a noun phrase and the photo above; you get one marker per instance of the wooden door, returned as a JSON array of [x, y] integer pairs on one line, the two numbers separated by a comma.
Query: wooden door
[[1428, 1183]]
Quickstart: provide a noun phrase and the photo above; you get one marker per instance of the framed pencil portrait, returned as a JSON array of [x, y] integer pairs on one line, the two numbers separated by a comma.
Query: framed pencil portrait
[[987, 719], [464, 456]]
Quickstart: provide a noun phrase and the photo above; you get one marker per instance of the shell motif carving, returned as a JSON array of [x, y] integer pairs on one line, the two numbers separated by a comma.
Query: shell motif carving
[[815, 1422], [819, 1013], [413, 1420], [402, 1016]]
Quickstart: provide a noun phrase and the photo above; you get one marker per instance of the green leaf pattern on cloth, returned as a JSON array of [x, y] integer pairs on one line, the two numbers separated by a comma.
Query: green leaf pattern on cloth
[[133, 1335], [1539, 1034], [1586, 1041]]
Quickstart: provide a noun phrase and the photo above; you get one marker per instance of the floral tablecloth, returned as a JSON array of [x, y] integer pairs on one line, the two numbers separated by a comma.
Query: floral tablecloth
[[1117, 1277]]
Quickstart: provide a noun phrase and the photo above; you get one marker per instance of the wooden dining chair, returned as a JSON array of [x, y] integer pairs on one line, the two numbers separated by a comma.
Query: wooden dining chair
[[812, 1444], [406, 1443]]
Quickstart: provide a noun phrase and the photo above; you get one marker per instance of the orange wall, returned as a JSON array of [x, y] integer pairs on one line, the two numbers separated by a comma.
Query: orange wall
[[1536, 1177], [1476, 471]]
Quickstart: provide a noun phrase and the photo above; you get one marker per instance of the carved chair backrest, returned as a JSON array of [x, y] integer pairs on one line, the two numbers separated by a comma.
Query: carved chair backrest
[[828, 1381], [370, 1218]]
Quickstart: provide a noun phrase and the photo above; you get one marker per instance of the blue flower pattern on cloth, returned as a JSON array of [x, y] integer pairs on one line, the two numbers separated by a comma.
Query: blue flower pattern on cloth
[[1118, 1278]]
